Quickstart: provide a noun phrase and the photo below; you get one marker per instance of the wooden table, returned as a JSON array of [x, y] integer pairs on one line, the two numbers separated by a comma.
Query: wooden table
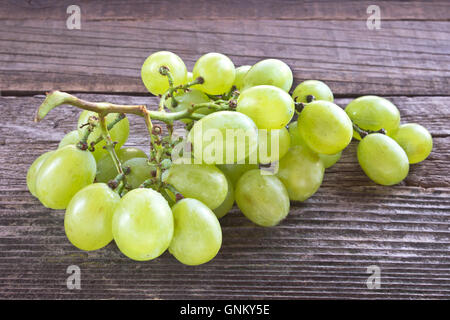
[[324, 247]]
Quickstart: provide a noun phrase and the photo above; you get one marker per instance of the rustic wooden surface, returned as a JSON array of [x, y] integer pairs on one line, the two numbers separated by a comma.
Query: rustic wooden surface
[[323, 248]]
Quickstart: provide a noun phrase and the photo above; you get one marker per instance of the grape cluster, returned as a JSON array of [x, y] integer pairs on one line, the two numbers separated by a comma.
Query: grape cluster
[[151, 203]]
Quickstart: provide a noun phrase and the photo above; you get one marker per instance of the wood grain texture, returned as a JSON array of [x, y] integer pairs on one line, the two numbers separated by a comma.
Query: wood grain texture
[[322, 249], [139, 10], [402, 58]]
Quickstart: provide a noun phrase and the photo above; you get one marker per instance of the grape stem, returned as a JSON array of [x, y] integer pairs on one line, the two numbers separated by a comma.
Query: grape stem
[[110, 145], [57, 98], [364, 133]]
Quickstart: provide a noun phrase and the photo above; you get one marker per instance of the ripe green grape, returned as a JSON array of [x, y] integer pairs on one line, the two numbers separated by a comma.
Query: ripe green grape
[[415, 140], [269, 72], [153, 80], [187, 99], [235, 171], [70, 138], [106, 170], [197, 235], [262, 198], [119, 133], [227, 204], [203, 182], [330, 160], [217, 71], [280, 137], [301, 172], [33, 171], [240, 74], [88, 218], [140, 170], [315, 88], [142, 224], [325, 127], [224, 137], [63, 174], [268, 106], [373, 113], [296, 140], [382, 159]]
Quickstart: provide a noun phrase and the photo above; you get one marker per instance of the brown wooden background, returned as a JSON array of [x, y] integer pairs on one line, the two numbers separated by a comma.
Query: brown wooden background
[[323, 248]]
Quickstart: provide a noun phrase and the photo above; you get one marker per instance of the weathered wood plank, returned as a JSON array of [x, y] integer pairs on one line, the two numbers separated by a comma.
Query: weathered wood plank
[[322, 250], [403, 58], [234, 10]]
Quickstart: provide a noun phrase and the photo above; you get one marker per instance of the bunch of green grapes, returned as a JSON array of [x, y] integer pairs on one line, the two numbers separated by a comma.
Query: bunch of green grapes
[[241, 147]]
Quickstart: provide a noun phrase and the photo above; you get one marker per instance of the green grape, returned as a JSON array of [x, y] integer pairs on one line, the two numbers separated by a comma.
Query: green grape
[[373, 113], [235, 171], [301, 172], [197, 235], [63, 174], [153, 80], [217, 71], [382, 159], [325, 127], [203, 182], [296, 140], [33, 171], [106, 170], [330, 160], [268, 106], [262, 198], [240, 74], [415, 140], [272, 72], [280, 137], [70, 138], [119, 133], [140, 170], [187, 99], [142, 224], [88, 218], [224, 137], [227, 204], [318, 89]]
